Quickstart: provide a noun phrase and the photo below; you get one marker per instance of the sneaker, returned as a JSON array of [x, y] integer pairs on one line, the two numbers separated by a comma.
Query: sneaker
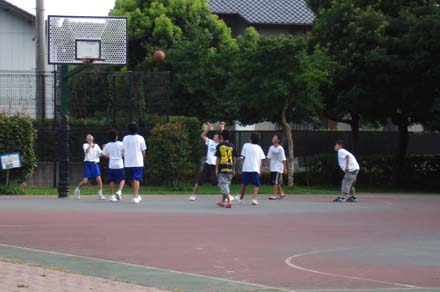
[[352, 199], [76, 193], [228, 205], [118, 195], [101, 197], [220, 204], [137, 200], [273, 198], [339, 200], [255, 202], [237, 198], [192, 198], [113, 198], [231, 198]]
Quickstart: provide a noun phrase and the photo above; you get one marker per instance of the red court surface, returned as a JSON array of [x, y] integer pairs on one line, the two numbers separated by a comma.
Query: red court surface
[[299, 243]]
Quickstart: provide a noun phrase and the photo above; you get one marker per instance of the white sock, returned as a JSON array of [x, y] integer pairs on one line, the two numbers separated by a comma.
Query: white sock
[[100, 192]]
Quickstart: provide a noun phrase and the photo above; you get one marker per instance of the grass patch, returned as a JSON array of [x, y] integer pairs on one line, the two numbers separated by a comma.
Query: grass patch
[[187, 190]]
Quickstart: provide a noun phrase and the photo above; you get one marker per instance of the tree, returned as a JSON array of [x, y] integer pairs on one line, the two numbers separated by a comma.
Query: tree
[[193, 40], [348, 34], [388, 61], [276, 80], [407, 69]]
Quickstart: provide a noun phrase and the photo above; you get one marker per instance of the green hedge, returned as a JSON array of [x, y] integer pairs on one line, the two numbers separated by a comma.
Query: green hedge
[[419, 172], [17, 135], [170, 156]]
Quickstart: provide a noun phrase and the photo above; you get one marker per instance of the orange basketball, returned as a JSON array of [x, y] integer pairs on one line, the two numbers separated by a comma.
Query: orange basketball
[[159, 56]]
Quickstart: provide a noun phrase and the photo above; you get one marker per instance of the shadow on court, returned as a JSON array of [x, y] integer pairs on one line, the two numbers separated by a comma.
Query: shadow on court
[[384, 242]]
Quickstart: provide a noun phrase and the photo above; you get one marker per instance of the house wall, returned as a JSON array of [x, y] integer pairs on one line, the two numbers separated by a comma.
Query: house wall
[[237, 24], [17, 49], [17, 67]]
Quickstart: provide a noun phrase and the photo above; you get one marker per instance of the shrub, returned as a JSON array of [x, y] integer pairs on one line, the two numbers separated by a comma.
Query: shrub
[[419, 172], [192, 125], [13, 188], [17, 135], [170, 157]]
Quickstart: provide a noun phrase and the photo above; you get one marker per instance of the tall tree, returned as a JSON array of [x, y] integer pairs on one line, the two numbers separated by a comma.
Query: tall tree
[[193, 40], [392, 71], [276, 80], [348, 34], [405, 72]]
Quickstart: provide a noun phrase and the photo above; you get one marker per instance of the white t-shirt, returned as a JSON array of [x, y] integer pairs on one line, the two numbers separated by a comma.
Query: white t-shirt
[[114, 151], [133, 147], [93, 154], [252, 157], [210, 153], [352, 162], [276, 156]]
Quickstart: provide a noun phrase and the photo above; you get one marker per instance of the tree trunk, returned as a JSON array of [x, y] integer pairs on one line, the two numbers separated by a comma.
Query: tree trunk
[[288, 134], [398, 166], [355, 132]]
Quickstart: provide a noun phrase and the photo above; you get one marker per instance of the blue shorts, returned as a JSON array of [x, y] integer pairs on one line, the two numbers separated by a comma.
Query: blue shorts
[[116, 175], [91, 170], [135, 173], [251, 178]]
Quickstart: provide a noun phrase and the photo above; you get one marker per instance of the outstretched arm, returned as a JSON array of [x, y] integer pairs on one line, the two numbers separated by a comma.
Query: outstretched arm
[[208, 127], [222, 126]]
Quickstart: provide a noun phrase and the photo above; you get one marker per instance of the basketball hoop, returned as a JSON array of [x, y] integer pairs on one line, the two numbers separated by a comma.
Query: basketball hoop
[[87, 40], [89, 60]]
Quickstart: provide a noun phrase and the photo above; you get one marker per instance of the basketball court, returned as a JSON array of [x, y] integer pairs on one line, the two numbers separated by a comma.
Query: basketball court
[[302, 243]]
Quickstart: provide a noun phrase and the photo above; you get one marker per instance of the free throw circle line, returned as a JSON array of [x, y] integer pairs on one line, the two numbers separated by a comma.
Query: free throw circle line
[[144, 267], [289, 262]]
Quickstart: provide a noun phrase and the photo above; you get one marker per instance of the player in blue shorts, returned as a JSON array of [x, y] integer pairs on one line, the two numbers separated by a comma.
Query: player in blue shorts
[[253, 156], [134, 153], [92, 152], [116, 172]]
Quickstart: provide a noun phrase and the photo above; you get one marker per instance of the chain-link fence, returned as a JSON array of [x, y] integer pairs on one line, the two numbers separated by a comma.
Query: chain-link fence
[[18, 93], [119, 97]]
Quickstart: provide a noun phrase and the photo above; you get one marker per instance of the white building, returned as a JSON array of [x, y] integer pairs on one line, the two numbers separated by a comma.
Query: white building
[[18, 62]]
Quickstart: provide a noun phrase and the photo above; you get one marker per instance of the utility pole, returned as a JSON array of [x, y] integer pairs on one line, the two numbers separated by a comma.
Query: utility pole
[[40, 61]]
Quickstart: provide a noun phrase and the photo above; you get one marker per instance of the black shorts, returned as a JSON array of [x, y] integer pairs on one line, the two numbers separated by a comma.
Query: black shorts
[[275, 177], [208, 174]]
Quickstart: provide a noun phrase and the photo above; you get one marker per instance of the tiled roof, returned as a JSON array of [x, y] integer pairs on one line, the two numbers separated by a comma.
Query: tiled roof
[[266, 11]]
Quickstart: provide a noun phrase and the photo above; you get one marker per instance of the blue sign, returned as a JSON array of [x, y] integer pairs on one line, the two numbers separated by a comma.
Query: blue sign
[[10, 160]]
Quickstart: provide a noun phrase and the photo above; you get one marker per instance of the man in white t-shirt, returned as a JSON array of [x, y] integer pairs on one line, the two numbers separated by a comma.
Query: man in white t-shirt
[[253, 156], [277, 158], [350, 166], [92, 152], [134, 153], [116, 172], [208, 171]]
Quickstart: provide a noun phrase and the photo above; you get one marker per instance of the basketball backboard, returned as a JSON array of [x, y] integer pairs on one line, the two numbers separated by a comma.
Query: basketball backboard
[[73, 39]]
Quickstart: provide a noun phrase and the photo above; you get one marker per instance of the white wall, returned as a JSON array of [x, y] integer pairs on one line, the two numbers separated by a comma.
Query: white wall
[[17, 67], [17, 49]]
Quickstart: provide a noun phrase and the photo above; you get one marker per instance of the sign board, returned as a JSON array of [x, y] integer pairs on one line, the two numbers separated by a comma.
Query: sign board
[[10, 160]]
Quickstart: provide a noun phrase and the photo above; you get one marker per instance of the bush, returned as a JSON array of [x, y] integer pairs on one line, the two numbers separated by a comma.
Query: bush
[[14, 188], [192, 125], [170, 155], [17, 135], [420, 172]]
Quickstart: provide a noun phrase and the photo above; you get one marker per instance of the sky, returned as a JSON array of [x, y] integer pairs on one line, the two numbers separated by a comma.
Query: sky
[[68, 7]]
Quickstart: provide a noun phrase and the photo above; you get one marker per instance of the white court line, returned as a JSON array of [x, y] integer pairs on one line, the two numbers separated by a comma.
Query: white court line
[[288, 261], [144, 267], [366, 290]]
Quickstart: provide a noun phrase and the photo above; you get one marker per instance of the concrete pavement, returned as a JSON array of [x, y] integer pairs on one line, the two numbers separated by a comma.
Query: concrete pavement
[[18, 277]]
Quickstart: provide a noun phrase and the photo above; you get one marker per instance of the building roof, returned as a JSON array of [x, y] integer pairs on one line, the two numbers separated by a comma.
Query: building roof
[[288, 12], [17, 11]]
